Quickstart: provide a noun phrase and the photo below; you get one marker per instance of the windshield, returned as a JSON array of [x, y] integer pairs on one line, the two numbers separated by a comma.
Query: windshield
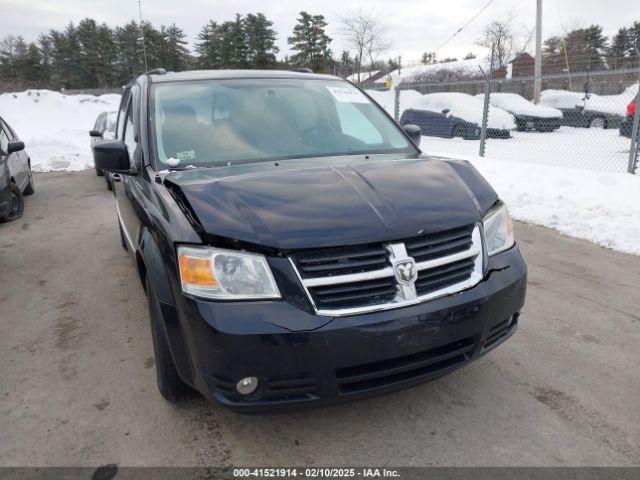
[[204, 123]]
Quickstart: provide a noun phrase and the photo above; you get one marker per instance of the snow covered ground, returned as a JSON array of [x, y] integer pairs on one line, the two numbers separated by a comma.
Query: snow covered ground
[[602, 150], [603, 208], [55, 127]]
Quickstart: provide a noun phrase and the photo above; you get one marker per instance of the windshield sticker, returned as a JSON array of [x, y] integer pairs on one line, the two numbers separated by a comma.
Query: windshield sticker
[[186, 155], [348, 95]]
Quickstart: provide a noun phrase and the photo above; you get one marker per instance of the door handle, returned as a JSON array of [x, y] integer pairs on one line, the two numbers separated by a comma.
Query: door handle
[[115, 177]]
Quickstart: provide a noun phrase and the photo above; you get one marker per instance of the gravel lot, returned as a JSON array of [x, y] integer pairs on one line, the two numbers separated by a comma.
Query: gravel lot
[[78, 386]]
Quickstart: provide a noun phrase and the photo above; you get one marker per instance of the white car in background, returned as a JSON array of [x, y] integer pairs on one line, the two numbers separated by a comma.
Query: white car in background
[[528, 116], [104, 129]]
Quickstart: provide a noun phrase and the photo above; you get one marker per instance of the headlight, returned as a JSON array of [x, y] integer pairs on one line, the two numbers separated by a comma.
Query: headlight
[[498, 230], [225, 274]]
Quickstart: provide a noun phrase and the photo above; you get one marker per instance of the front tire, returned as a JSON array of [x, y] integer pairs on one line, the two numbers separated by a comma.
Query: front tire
[[598, 122], [30, 189], [171, 386], [16, 208]]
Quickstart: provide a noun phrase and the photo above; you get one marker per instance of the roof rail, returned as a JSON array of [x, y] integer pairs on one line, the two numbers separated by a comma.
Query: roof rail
[[156, 71], [302, 70]]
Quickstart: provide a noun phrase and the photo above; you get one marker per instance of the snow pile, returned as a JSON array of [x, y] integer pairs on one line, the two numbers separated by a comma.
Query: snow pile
[[465, 68], [55, 127], [613, 104], [596, 206], [386, 99], [464, 106], [518, 105]]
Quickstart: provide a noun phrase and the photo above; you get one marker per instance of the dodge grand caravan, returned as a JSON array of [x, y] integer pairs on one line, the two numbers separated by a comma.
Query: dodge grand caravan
[[296, 247]]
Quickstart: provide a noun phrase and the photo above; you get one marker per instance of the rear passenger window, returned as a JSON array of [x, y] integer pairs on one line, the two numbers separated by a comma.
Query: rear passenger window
[[121, 114], [129, 134], [4, 141]]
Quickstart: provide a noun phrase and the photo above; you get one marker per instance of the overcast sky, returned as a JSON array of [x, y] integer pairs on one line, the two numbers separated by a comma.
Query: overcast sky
[[414, 26]]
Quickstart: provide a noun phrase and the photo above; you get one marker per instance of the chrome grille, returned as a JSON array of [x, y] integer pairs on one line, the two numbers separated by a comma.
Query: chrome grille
[[352, 280], [341, 261]]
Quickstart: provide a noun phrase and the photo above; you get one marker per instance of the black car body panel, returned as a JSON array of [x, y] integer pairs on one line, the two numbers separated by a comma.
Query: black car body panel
[[281, 208], [438, 124], [580, 117], [337, 205], [540, 124], [626, 127]]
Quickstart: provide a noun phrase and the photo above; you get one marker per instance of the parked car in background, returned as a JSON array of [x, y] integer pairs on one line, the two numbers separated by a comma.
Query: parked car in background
[[16, 179], [295, 246], [103, 129], [528, 116], [586, 110], [452, 114], [626, 126]]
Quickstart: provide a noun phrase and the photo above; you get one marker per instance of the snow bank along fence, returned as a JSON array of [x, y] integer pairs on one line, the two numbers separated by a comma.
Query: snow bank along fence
[[583, 120]]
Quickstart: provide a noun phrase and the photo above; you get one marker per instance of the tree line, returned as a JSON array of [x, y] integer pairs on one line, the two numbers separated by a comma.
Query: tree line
[[90, 55], [579, 50]]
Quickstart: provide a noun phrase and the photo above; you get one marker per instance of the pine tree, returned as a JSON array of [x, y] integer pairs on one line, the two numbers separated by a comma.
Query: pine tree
[[620, 46], [311, 43], [260, 39], [44, 45], [238, 50], [88, 54], [129, 60], [208, 54], [176, 55], [32, 71]]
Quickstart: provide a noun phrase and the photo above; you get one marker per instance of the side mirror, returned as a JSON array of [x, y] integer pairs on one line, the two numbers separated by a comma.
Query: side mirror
[[95, 133], [446, 111], [414, 132], [112, 156], [15, 147]]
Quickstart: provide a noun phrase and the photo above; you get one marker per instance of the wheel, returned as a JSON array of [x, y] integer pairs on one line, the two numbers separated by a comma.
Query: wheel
[[459, 131], [170, 384], [99, 172], [30, 188], [598, 122], [17, 204], [107, 179]]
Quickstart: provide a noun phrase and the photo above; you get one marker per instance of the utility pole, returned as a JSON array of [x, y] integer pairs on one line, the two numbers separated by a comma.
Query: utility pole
[[537, 85], [144, 48]]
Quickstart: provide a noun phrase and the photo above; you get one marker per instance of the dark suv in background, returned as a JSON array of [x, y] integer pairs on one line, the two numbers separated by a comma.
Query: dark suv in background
[[296, 247]]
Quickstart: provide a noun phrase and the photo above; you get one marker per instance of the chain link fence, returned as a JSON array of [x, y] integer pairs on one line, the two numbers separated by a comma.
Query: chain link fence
[[587, 120]]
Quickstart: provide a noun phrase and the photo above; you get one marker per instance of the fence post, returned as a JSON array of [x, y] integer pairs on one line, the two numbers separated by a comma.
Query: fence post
[[396, 103], [485, 112], [485, 108], [633, 150]]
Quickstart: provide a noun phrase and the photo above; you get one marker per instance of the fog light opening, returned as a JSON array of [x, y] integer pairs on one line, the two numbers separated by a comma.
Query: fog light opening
[[247, 385]]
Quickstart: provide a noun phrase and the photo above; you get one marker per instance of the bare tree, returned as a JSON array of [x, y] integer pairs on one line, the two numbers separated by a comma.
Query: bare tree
[[365, 33], [507, 41]]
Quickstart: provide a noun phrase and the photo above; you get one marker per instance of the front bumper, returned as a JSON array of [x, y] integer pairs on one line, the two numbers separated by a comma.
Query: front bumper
[[626, 127], [215, 343]]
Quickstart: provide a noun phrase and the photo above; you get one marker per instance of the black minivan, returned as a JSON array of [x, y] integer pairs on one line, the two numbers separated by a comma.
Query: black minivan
[[296, 247]]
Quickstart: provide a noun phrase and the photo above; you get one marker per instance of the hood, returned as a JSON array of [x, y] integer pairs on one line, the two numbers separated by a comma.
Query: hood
[[336, 205]]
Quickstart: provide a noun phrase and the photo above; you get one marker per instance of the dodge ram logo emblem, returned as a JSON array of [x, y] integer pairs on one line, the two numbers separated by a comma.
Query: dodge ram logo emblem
[[406, 272]]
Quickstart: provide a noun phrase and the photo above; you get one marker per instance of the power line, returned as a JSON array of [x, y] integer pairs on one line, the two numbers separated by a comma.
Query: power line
[[465, 25]]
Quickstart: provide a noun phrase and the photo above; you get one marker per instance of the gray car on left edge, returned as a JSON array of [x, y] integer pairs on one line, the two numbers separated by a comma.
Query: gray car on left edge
[[16, 179]]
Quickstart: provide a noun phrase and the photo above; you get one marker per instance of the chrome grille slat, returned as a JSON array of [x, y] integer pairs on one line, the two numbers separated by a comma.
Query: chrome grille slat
[[445, 262]]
